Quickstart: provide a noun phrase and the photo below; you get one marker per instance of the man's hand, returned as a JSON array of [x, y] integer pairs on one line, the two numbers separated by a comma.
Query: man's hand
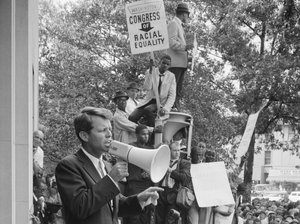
[[119, 171], [162, 112], [145, 175], [158, 129], [149, 196]]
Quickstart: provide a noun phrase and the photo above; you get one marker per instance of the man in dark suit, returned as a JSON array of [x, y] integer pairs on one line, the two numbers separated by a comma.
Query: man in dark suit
[[178, 174], [89, 191]]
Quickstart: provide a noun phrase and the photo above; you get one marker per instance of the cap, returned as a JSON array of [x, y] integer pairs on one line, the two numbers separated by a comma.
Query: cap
[[133, 85], [182, 7], [120, 94], [270, 212], [262, 211], [249, 213]]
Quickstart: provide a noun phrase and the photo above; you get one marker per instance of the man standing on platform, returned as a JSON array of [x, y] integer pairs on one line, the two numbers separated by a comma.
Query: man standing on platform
[[178, 47]]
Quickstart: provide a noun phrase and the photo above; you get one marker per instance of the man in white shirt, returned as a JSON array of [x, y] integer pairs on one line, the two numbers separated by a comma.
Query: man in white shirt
[[132, 102], [162, 82]]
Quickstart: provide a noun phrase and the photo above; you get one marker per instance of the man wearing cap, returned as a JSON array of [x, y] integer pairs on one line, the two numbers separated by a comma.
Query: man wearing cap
[[124, 129], [132, 102], [178, 47]]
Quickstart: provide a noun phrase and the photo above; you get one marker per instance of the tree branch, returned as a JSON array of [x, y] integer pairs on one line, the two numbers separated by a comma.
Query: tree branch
[[249, 26]]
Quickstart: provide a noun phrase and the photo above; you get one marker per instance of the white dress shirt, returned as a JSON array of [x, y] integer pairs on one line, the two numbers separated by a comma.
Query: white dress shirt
[[131, 105]]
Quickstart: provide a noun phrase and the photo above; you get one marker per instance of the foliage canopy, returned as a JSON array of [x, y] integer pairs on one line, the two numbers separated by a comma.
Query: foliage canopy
[[249, 54]]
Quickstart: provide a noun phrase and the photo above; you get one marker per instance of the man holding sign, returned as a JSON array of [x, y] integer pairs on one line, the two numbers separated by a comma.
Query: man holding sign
[[164, 82]]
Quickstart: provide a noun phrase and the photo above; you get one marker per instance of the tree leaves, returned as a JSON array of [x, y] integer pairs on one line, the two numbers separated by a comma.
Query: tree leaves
[[85, 58]]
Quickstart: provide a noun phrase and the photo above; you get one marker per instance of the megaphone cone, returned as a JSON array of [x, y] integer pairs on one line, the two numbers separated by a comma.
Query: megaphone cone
[[176, 121], [154, 161]]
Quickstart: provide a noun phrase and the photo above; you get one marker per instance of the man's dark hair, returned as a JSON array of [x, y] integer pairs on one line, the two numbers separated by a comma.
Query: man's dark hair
[[139, 128], [210, 156], [83, 121], [194, 151]]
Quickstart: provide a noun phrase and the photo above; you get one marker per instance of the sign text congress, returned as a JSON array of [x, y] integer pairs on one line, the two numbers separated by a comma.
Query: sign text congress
[[149, 36]]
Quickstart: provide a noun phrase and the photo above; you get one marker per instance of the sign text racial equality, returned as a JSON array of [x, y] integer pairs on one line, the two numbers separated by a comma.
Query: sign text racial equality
[[147, 26]]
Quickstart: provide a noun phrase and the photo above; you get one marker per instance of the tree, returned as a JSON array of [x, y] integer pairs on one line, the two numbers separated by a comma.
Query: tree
[[85, 58], [260, 40]]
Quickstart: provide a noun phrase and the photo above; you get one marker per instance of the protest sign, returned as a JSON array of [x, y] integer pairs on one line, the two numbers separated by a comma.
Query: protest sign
[[147, 26], [211, 185], [251, 123]]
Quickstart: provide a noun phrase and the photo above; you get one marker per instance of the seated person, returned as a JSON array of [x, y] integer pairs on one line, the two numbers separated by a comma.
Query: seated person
[[132, 102], [160, 81], [124, 129]]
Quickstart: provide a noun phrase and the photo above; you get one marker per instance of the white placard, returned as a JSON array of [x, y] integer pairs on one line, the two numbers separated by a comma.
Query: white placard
[[147, 26], [245, 142], [251, 123], [211, 185]]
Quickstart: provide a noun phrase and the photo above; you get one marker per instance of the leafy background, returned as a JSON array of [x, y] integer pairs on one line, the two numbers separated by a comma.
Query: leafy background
[[248, 55]]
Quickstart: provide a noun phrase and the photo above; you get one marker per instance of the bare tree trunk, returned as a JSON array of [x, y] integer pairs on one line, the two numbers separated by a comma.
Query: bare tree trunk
[[249, 170]]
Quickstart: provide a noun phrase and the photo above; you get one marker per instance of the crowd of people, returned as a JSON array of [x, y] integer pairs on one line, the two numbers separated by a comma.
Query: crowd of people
[[46, 200], [265, 211]]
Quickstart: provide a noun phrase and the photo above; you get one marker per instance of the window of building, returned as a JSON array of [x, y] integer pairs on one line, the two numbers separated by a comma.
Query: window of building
[[267, 157]]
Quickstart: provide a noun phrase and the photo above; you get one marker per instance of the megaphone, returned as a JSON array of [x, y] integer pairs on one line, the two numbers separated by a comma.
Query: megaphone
[[154, 161], [176, 121]]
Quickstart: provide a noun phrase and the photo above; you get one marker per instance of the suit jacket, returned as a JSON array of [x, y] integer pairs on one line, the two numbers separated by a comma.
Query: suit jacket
[[124, 129], [177, 44], [182, 174], [168, 88], [86, 196]]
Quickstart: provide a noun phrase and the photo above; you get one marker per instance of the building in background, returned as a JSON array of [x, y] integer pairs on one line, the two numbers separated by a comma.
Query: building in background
[[276, 166]]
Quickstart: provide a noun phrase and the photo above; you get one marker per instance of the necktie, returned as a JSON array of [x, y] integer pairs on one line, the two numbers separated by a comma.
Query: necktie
[[101, 169], [160, 82], [115, 208]]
